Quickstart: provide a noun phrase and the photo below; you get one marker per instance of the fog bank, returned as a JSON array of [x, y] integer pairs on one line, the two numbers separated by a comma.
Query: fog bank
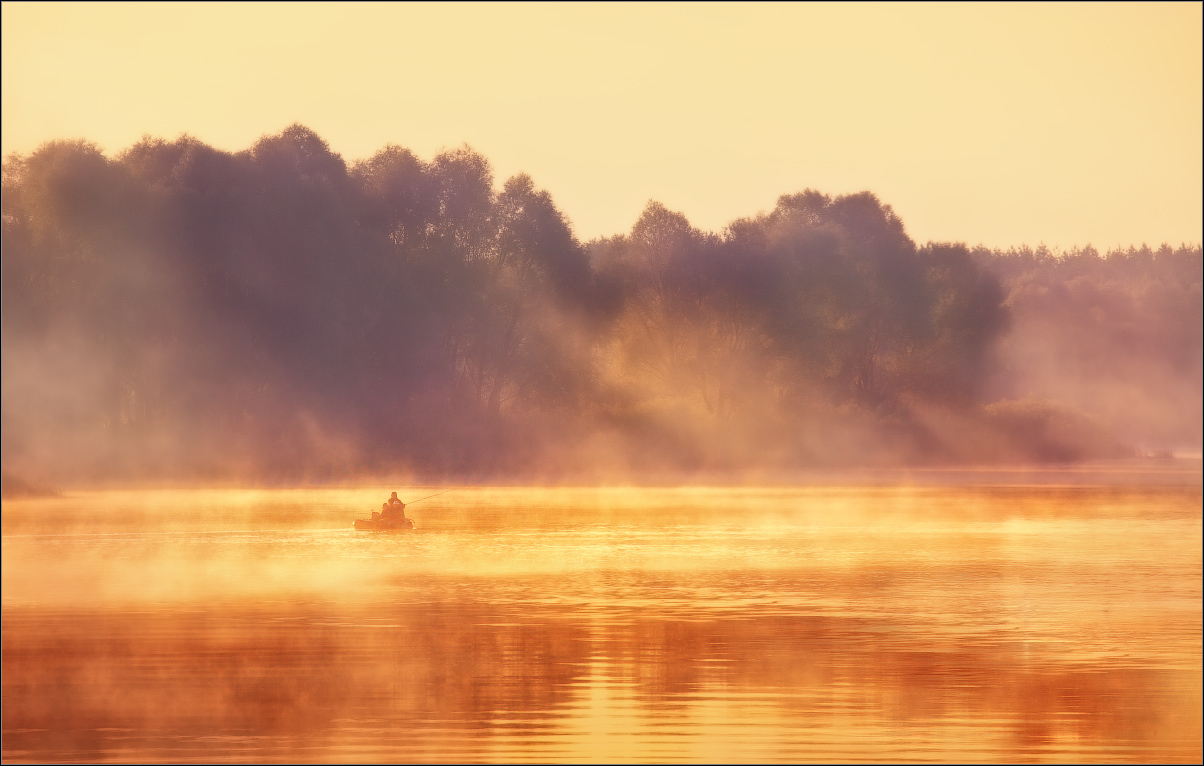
[[178, 312]]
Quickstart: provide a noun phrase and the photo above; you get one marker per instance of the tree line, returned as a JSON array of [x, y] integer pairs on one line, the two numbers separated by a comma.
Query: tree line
[[276, 314]]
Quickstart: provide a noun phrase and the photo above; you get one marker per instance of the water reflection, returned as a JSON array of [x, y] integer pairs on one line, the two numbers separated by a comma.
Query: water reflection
[[964, 631]]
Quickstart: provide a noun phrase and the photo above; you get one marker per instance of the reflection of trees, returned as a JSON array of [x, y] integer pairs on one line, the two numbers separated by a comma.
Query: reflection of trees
[[293, 675], [879, 672], [205, 683]]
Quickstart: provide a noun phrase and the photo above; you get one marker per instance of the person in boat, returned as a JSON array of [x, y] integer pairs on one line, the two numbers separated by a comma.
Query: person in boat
[[393, 509]]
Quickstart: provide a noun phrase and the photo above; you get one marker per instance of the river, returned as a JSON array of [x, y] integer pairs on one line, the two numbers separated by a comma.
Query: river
[[940, 623]]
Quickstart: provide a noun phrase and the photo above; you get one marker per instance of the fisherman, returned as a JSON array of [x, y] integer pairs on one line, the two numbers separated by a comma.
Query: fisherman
[[393, 509], [395, 502]]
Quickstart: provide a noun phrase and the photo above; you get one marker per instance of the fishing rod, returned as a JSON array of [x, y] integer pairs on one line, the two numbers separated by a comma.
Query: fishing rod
[[428, 497]]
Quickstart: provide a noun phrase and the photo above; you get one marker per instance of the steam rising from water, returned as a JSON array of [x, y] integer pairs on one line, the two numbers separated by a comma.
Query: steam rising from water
[[1006, 623]]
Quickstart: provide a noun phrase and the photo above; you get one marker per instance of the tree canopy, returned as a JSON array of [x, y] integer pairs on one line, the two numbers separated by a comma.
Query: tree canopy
[[180, 311]]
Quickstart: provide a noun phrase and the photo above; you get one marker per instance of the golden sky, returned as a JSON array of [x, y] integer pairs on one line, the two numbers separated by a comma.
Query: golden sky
[[995, 124]]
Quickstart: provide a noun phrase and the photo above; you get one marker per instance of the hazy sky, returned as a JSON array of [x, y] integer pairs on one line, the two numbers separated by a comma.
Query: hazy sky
[[999, 124]]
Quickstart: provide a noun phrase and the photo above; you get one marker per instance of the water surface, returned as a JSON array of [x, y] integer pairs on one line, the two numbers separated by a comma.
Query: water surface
[[714, 624]]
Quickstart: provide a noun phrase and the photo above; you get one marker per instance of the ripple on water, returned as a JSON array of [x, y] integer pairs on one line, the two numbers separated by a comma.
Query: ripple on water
[[559, 625]]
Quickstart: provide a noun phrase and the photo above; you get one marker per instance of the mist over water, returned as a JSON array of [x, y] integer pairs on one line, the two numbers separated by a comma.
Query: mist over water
[[888, 500], [989, 624]]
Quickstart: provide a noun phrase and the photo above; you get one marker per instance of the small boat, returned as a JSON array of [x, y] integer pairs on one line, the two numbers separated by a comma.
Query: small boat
[[383, 525], [392, 516]]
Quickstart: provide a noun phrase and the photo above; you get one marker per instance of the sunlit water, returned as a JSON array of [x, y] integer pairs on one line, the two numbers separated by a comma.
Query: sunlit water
[[834, 624]]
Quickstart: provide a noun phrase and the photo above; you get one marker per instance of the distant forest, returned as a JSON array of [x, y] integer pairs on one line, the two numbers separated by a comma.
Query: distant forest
[[277, 315]]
